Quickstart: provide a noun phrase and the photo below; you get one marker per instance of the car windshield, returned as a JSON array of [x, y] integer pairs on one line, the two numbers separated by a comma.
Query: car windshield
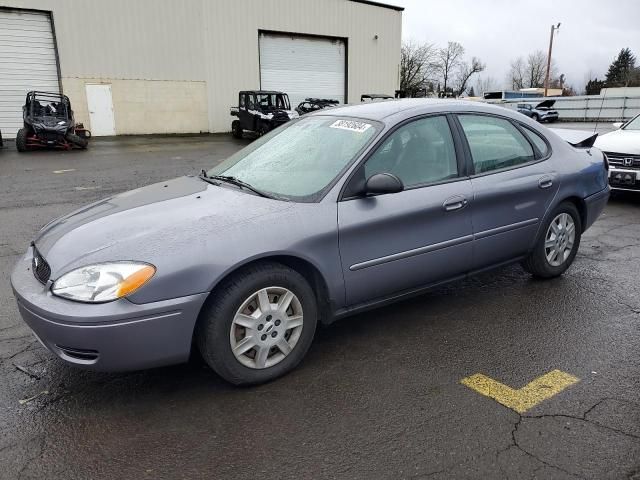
[[272, 101], [300, 161], [633, 124], [47, 107]]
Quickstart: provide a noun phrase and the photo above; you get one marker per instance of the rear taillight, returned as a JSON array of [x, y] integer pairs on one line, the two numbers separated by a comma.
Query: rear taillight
[[606, 161]]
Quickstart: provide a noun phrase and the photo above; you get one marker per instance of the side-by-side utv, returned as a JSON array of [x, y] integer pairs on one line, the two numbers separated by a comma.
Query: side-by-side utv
[[49, 123], [260, 111]]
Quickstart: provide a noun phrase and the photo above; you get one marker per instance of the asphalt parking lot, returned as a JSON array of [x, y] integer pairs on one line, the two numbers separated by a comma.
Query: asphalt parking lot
[[380, 395]]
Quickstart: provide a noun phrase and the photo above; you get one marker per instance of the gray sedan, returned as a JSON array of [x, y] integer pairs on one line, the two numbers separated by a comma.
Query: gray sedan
[[334, 213]]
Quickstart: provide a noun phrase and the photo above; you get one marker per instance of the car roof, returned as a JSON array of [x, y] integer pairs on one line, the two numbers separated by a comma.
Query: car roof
[[265, 92], [376, 95], [411, 107]]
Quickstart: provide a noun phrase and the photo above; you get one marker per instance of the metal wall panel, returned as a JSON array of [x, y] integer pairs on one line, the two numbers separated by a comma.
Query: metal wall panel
[[588, 107], [215, 41], [232, 56], [27, 62], [121, 39]]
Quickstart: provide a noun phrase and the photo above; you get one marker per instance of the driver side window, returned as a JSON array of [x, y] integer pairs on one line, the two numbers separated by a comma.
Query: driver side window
[[418, 153]]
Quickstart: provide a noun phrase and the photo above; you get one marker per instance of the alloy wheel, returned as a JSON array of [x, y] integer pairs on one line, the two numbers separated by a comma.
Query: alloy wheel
[[560, 238], [266, 327]]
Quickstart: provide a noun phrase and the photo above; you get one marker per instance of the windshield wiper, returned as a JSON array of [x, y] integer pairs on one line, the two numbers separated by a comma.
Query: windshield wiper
[[237, 182]]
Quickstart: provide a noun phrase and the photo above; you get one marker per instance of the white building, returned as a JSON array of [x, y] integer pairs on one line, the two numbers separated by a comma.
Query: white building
[[176, 66]]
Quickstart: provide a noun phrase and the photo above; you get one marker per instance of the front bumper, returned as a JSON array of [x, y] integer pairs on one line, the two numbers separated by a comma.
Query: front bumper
[[114, 336], [625, 179]]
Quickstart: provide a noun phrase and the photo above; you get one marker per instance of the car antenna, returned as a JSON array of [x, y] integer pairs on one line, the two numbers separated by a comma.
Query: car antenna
[[595, 128]]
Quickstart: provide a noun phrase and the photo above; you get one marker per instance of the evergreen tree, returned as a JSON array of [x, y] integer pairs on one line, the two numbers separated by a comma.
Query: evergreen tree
[[594, 86], [622, 71], [472, 93]]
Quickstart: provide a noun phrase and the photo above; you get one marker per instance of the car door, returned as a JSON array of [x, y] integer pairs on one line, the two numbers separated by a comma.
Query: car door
[[397, 242], [513, 186], [247, 115]]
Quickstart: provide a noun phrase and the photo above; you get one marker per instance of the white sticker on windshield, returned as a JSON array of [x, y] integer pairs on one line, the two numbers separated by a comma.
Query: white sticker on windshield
[[350, 125]]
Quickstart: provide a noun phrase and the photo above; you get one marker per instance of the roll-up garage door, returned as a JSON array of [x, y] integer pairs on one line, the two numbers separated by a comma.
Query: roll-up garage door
[[27, 62], [303, 66]]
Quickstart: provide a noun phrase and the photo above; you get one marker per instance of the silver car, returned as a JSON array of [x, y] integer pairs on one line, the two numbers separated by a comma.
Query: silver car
[[334, 213]]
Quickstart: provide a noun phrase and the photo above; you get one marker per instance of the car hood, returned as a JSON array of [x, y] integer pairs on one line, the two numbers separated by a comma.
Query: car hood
[[146, 223], [620, 141], [545, 105]]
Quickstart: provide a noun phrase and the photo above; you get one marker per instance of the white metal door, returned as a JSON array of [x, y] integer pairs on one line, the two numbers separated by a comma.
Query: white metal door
[[27, 62], [100, 106], [303, 66]]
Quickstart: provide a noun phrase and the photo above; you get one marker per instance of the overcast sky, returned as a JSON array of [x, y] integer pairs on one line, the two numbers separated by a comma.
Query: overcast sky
[[497, 31]]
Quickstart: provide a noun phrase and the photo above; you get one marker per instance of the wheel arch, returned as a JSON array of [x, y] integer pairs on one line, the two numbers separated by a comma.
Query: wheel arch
[[303, 266], [580, 205], [577, 201]]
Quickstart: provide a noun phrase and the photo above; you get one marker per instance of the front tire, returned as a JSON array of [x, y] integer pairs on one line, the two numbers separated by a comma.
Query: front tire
[[236, 129], [258, 325], [21, 140], [535, 117], [558, 243], [77, 140]]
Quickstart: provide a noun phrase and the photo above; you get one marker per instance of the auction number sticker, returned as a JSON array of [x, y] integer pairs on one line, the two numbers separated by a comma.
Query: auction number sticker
[[350, 125]]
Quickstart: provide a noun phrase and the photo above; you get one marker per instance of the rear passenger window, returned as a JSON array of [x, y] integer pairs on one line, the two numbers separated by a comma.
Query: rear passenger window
[[538, 141], [495, 143]]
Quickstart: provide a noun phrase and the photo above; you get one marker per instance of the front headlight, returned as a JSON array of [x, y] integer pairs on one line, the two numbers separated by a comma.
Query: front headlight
[[103, 282]]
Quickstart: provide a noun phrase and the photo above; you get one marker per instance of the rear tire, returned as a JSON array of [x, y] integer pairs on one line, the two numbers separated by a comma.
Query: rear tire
[[263, 128], [562, 238], [77, 140], [289, 316], [21, 140], [236, 129]]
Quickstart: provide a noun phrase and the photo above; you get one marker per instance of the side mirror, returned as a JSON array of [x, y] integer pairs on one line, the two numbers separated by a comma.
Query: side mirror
[[617, 125], [382, 183]]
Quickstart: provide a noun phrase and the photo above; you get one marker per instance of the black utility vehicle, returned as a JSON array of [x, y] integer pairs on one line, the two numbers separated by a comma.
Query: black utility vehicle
[[260, 111], [375, 97], [49, 123], [312, 104]]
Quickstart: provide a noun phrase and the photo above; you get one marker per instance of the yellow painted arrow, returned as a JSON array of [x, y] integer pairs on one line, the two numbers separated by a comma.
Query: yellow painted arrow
[[527, 397]]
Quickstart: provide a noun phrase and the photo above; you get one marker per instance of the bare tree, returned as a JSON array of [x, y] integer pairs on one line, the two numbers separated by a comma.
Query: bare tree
[[465, 72], [485, 84], [416, 66], [516, 77], [529, 73], [536, 69], [448, 61]]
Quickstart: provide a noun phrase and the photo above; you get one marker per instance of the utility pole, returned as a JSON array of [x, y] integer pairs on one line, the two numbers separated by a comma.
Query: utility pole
[[546, 78]]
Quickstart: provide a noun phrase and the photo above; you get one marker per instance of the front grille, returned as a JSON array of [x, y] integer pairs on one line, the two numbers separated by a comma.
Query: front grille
[[41, 269], [623, 160], [49, 136]]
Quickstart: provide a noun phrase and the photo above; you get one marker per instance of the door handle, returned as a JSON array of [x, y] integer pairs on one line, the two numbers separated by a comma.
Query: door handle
[[455, 203], [545, 182]]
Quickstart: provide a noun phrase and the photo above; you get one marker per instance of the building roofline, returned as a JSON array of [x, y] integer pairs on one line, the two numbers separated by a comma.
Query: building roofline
[[378, 4]]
